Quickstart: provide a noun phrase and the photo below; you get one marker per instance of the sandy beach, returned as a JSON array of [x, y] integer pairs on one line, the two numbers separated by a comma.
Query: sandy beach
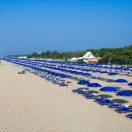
[[29, 103]]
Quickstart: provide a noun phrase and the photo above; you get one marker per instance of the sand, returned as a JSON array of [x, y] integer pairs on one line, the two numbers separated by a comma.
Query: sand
[[31, 104]]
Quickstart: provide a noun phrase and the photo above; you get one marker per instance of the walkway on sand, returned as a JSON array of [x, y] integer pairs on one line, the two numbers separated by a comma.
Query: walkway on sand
[[31, 104]]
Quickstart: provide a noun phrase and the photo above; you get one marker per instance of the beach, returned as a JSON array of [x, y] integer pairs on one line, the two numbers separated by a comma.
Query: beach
[[29, 103]]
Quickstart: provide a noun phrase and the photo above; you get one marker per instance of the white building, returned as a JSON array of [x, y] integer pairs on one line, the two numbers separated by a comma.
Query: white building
[[88, 57], [22, 57]]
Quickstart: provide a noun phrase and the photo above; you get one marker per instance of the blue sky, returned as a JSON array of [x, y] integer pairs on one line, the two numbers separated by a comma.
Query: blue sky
[[39, 25]]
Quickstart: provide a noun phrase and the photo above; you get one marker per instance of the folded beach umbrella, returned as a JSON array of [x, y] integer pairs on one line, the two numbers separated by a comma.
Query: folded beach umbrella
[[95, 85], [121, 81], [109, 89], [130, 84], [83, 82], [127, 93]]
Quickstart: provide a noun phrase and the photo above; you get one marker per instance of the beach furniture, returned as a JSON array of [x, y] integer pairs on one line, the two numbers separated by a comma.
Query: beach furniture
[[124, 109], [121, 81], [109, 89], [104, 96], [129, 116], [119, 101], [112, 73], [83, 82], [94, 85], [130, 84], [90, 95], [80, 90], [93, 91], [22, 72], [126, 93], [103, 101], [115, 105]]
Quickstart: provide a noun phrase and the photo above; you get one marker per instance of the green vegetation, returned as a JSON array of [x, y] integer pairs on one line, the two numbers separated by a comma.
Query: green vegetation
[[108, 55]]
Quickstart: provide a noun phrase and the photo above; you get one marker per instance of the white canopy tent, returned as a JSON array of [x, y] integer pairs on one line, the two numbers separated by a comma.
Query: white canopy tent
[[86, 57]]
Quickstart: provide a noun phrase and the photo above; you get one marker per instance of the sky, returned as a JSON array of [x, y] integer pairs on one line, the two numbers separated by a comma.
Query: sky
[[64, 25]]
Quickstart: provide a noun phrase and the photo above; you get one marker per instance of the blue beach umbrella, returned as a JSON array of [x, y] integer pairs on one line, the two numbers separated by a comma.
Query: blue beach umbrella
[[129, 116], [94, 85], [115, 106], [127, 93], [109, 89], [83, 82], [124, 109], [103, 101], [130, 84], [121, 81]]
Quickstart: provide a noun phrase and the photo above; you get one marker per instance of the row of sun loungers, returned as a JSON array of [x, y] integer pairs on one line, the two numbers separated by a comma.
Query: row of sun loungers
[[57, 73], [119, 105]]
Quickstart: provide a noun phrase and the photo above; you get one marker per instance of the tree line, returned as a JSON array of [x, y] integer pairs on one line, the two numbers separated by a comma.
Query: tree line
[[108, 55]]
